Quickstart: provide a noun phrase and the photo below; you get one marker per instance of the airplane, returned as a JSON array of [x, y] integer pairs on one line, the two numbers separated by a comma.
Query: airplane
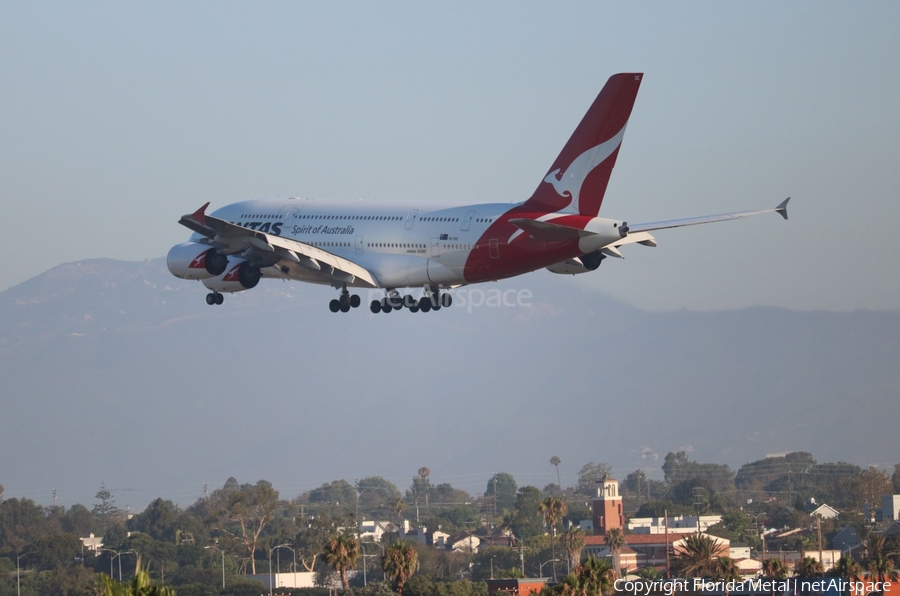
[[392, 245]]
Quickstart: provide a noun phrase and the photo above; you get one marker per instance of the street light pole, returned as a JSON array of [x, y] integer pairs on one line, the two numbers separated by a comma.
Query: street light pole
[[364, 555], [18, 586], [223, 562], [544, 563], [273, 549]]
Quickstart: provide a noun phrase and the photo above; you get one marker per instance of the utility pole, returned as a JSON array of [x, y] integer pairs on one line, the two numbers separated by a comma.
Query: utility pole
[[819, 532], [54, 498], [495, 496], [666, 520]]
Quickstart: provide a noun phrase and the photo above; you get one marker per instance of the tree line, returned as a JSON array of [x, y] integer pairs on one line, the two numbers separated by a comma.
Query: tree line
[[235, 528]]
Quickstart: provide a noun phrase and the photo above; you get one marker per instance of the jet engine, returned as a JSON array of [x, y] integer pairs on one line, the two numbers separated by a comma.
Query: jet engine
[[582, 264], [240, 276], [191, 260]]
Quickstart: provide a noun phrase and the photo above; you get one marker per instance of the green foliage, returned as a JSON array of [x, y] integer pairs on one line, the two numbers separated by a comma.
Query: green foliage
[[341, 553], [588, 476], [400, 562], [526, 519], [502, 485], [22, 521], [55, 551], [337, 493], [659, 509], [698, 557], [715, 481], [313, 534], [376, 496], [139, 586], [422, 585], [505, 563], [160, 521]]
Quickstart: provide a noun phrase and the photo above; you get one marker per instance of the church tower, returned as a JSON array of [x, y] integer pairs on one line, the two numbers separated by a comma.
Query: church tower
[[607, 507]]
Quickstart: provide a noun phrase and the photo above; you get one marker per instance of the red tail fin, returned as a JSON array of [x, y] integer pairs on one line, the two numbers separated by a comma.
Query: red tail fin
[[577, 179]]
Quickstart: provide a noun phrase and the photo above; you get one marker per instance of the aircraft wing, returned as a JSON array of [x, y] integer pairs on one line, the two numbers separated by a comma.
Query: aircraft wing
[[693, 221], [269, 249]]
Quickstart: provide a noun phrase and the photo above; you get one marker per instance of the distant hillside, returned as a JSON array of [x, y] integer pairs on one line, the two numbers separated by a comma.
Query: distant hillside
[[118, 372]]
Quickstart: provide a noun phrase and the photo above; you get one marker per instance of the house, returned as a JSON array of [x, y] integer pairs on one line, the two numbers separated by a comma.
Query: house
[[465, 542], [825, 511], [846, 540], [890, 508], [92, 543], [373, 531]]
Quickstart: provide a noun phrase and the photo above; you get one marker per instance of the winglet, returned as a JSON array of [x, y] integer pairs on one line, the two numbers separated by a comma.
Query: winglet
[[200, 214], [782, 208]]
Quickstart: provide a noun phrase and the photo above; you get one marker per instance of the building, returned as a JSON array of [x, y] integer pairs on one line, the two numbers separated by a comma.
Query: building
[[825, 511], [647, 550], [607, 507], [890, 508], [677, 524], [92, 543], [516, 587]]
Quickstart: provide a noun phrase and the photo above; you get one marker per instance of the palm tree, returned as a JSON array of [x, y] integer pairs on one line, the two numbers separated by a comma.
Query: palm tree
[[399, 506], [809, 567], [573, 542], [878, 559], [424, 473], [139, 586], [555, 461], [341, 553], [848, 568], [596, 576], [553, 510], [774, 569], [615, 540], [697, 557], [400, 563]]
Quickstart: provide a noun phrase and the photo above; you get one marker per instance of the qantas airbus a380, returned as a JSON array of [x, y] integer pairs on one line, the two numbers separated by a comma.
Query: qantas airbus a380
[[428, 245]]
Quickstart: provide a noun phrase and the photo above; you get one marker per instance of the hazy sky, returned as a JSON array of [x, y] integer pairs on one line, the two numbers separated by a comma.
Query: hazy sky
[[116, 118]]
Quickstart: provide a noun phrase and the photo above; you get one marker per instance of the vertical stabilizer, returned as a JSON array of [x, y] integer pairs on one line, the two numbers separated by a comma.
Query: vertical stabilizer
[[576, 182]]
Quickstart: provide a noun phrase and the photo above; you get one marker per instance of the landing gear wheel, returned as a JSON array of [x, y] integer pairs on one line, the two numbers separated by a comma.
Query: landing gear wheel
[[386, 306], [446, 300], [409, 301], [355, 301], [345, 307], [414, 307], [334, 305], [375, 306], [210, 299], [425, 304]]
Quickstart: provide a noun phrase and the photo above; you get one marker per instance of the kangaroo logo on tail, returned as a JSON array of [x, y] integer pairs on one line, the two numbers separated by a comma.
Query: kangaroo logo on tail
[[568, 184]]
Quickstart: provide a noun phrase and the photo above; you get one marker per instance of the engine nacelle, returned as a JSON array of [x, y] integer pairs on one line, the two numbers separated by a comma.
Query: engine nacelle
[[582, 264], [240, 276], [191, 260]]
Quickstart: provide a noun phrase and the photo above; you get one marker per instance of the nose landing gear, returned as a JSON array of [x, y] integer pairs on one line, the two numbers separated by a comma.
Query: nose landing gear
[[214, 298]]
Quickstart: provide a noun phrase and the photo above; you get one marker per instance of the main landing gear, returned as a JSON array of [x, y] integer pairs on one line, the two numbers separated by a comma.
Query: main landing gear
[[432, 300], [345, 302], [214, 298]]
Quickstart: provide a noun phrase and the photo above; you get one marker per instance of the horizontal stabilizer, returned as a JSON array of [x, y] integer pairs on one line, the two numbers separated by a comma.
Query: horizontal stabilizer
[[549, 232], [781, 209]]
